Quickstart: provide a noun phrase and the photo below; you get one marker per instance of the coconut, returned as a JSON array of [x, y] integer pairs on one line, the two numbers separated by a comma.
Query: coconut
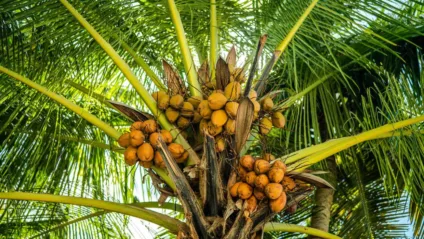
[[187, 110], [267, 104], [265, 126], [145, 152], [150, 126], [276, 175], [195, 100], [260, 195], [250, 178], [231, 108], [183, 157], [220, 144], [163, 102], [204, 110], [261, 181], [138, 125], [244, 191], [214, 130], [288, 184], [269, 157], [219, 118], [166, 136], [241, 173], [159, 160], [217, 101], [146, 164], [251, 204], [247, 162], [278, 120], [183, 122], [261, 166], [154, 139], [136, 138], [171, 114], [233, 91], [253, 95], [273, 190], [210, 85], [279, 164], [176, 150], [277, 205], [124, 140], [196, 117], [233, 189], [256, 106], [157, 95], [177, 102], [230, 126], [130, 156], [255, 116]]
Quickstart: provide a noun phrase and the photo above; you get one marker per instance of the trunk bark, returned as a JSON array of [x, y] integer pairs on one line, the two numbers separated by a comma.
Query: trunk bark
[[321, 213]]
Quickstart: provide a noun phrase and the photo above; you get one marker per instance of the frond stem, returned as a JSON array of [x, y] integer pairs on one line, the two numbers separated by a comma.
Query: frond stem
[[284, 227]]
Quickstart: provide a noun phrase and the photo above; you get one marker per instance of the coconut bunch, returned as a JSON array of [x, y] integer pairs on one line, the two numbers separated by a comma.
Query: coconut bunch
[[141, 145], [177, 109], [262, 179]]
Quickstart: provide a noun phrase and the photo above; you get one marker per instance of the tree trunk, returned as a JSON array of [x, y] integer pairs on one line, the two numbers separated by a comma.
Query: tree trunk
[[321, 213]]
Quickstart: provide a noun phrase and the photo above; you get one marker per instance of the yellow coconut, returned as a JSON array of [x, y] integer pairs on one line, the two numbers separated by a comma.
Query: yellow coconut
[[256, 106], [138, 125], [203, 126], [278, 120], [244, 191], [171, 114], [195, 100], [261, 181], [163, 102], [220, 144], [253, 95], [183, 157], [267, 104], [219, 118], [204, 110], [277, 205], [159, 160], [124, 140], [217, 101], [248, 162], [145, 152], [230, 126], [231, 108], [250, 178], [156, 95], [233, 91], [146, 164], [137, 138], [166, 136], [265, 126], [260, 195], [273, 190], [213, 130], [130, 156], [154, 139], [269, 157], [242, 173], [196, 117], [261, 166], [150, 126], [187, 110], [176, 150], [233, 189], [276, 175], [279, 164], [177, 102], [183, 122]]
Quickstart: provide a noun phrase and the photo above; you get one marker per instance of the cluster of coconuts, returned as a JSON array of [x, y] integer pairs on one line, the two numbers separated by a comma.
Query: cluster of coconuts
[[142, 143], [178, 111], [259, 180]]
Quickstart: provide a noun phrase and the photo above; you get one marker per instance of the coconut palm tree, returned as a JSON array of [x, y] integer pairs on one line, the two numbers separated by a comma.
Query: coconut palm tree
[[348, 75]]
